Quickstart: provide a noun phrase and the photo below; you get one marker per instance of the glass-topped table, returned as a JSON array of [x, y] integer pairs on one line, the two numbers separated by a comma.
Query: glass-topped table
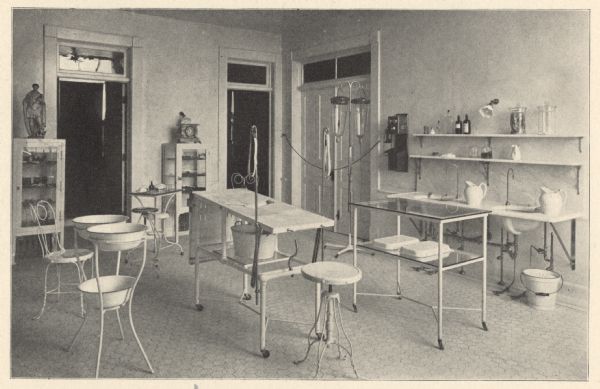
[[439, 214]]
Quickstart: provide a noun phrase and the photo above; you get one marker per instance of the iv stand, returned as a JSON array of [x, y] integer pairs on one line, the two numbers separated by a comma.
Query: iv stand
[[338, 135]]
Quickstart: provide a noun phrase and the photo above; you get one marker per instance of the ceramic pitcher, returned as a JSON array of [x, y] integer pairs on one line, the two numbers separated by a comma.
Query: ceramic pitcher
[[552, 201], [474, 194], [515, 153]]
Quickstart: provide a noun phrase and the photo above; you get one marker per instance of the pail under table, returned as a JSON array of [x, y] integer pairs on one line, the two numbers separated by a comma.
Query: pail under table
[[542, 287]]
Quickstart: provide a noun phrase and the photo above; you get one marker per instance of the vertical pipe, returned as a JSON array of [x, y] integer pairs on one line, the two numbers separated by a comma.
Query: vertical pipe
[[354, 254], [573, 242], [398, 232], [224, 233], [440, 284], [263, 315], [484, 271]]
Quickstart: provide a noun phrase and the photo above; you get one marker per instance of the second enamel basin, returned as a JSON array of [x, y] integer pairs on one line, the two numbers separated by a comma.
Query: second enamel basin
[[516, 225]]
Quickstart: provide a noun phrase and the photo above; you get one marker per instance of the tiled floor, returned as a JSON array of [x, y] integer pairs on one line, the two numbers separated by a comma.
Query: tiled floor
[[393, 339]]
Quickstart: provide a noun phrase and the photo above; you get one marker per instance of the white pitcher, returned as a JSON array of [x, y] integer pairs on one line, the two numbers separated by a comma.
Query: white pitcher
[[474, 194], [552, 201], [515, 153]]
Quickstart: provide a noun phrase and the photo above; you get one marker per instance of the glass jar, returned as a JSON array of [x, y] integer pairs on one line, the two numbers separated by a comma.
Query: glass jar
[[517, 119], [486, 152], [474, 152], [546, 118]]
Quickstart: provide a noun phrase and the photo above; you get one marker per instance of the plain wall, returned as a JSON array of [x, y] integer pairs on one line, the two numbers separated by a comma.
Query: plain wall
[[432, 61], [180, 72]]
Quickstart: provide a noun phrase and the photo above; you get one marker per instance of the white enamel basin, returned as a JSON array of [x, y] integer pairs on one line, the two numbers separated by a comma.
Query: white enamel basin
[[516, 225], [117, 237], [82, 223]]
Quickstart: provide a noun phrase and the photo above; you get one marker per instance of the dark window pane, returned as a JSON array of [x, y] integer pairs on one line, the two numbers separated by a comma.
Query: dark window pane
[[354, 65], [319, 71], [246, 74]]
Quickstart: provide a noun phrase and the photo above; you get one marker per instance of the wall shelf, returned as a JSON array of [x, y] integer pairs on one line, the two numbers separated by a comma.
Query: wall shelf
[[489, 137], [486, 163]]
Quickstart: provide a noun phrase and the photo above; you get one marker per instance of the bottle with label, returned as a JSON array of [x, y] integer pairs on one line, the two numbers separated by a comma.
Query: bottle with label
[[466, 125], [458, 125], [448, 123]]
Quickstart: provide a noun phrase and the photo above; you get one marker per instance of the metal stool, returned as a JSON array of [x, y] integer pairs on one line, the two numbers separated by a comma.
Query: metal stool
[[331, 273], [147, 213]]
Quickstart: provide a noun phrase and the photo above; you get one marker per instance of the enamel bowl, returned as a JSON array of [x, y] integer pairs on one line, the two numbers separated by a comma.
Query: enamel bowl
[[117, 237], [82, 223]]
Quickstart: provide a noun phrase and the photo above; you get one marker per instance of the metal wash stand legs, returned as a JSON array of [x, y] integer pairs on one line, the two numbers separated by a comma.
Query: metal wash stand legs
[[114, 291]]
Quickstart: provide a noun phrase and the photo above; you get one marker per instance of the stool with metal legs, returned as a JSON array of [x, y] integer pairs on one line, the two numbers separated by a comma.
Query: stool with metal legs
[[114, 291], [159, 220], [329, 319]]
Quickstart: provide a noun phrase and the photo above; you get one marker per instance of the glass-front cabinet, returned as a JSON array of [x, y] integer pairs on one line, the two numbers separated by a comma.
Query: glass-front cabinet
[[38, 174], [184, 167]]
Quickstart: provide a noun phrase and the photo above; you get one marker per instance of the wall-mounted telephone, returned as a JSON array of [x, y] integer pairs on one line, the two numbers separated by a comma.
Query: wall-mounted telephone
[[397, 125]]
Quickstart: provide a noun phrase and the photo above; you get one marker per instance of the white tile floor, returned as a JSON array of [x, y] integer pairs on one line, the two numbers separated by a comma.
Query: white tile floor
[[393, 339]]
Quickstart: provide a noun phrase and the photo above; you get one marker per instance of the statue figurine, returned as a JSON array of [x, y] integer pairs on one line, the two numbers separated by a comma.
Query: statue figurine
[[34, 113]]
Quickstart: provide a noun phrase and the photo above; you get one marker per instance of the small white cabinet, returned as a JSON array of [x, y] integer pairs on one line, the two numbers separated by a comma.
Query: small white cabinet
[[38, 170], [184, 167]]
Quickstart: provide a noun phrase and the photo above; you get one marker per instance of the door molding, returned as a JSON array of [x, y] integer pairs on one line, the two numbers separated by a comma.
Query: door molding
[[135, 113], [227, 55], [298, 57]]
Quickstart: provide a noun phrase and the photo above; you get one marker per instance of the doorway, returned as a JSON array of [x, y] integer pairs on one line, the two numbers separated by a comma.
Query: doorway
[[247, 108], [91, 119]]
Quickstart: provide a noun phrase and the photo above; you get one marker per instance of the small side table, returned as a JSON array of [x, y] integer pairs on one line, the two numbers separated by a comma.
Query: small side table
[[330, 273]]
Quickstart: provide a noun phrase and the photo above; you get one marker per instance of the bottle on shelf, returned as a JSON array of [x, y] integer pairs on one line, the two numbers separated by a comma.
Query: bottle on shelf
[[466, 125], [448, 123], [458, 125]]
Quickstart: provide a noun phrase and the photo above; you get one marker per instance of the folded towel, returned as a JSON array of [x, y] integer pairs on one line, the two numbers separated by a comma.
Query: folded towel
[[423, 249], [394, 242]]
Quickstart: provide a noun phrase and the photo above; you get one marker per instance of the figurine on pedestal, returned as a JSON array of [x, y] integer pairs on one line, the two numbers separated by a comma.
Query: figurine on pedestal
[[34, 113], [188, 132]]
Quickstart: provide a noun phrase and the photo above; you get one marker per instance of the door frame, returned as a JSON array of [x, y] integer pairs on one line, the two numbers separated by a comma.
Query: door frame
[[227, 55], [298, 58], [124, 144], [135, 110]]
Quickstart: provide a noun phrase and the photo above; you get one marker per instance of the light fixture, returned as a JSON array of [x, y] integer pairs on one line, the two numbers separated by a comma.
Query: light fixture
[[487, 111]]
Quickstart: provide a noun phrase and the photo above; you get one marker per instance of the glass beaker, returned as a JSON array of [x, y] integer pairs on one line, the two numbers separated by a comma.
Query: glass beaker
[[474, 152], [546, 118], [517, 119]]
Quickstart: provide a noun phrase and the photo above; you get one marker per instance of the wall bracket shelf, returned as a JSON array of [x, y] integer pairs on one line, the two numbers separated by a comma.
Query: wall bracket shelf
[[489, 137], [486, 165]]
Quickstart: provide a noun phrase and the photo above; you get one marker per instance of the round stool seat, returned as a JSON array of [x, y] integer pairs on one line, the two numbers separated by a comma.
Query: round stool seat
[[144, 210], [161, 215], [332, 273]]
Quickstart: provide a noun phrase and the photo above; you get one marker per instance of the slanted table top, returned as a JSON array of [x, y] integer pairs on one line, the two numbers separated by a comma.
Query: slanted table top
[[274, 216]]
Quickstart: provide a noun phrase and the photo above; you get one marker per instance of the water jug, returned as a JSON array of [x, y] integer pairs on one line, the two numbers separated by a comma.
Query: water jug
[[552, 201], [474, 194]]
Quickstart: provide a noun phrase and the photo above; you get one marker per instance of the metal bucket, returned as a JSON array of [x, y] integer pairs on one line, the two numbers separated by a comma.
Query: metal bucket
[[243, 242], [542, 287]]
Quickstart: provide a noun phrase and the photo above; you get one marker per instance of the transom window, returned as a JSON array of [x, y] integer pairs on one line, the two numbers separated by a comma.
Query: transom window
[[91, 60], [338, 67]]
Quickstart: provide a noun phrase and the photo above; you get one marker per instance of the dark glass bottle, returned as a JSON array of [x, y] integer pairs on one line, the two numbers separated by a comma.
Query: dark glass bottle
[[466, 125], [458, 126]]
